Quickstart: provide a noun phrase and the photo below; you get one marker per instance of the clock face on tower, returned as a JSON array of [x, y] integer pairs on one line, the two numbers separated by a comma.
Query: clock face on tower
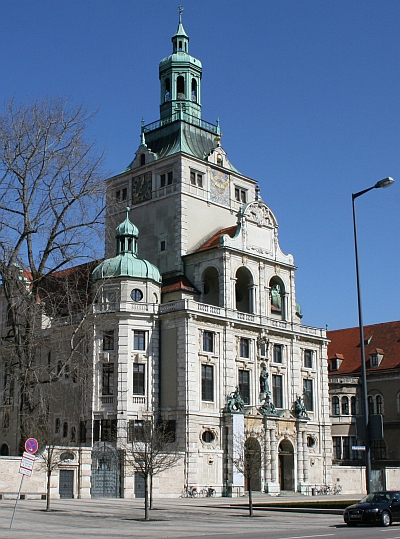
[[141, 188]]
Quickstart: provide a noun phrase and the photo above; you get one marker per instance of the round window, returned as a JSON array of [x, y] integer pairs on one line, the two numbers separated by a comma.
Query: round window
[[311, 441], [136, 294], [207, 437]]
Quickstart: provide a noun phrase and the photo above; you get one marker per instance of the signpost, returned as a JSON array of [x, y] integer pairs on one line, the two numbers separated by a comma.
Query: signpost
[[26, 467]]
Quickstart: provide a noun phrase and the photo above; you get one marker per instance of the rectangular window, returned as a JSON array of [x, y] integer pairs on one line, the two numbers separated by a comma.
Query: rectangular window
[[240, 195], [337, 447], [192, 177], [163, 245], [108, 430], [346, 447], [244, 385], [108, 340], [170, 178], [108, 379], [208, 341], [199, 180], [277, 390], [277, 353], [207, 383], [244, 347], [162, 180], [136, 431], [139, 340], [308, 359], [308, 395], [139, 379]]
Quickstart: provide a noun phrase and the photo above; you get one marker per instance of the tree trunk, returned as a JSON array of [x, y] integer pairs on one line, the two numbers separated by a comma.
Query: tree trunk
[[146, 498], [151, 491], [48, 490], [250, 497]]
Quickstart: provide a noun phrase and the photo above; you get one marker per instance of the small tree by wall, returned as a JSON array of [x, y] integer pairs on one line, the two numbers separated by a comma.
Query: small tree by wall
[[151, 451]]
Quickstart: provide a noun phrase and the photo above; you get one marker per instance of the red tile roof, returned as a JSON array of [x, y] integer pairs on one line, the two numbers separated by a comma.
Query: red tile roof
[[214, 241], [379, 338], [179, 282]]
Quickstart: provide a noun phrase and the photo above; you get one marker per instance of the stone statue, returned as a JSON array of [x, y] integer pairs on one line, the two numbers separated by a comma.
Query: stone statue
[[276, 298], [299, 409], [264, 386], [268, 408], [235, 402]]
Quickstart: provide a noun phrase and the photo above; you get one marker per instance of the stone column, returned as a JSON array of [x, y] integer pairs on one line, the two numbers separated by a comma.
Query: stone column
[[267, 456], [299, 458], [273, 456], [305, 459]]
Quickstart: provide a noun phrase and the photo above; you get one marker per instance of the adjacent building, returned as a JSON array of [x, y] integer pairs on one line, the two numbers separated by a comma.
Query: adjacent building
[[382, 353]]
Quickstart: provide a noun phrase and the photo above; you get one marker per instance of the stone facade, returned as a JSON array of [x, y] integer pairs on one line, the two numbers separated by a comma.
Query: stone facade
[[222, 326]]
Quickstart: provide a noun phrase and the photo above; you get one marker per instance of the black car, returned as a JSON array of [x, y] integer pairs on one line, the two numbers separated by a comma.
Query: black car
[[380, 508]]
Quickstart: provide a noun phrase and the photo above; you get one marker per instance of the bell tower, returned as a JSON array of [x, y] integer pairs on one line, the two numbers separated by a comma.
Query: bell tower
[[180, 79]]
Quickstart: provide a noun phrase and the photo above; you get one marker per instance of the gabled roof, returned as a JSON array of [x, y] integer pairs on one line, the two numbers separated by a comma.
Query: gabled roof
[[179, 282], [379, 338], [214, 241]]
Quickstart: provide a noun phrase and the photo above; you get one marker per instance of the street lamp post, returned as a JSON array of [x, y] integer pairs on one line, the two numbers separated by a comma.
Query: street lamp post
[[382, 183]]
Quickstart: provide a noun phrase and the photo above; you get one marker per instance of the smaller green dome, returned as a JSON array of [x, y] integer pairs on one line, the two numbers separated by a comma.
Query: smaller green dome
[[126, 263], [127, 228]]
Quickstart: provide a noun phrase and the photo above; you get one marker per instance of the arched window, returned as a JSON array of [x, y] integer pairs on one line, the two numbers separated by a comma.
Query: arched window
[[371, 405], [244, 291], [4, 450], [345, 405], [57, 426], [180, 87], [379, 404], [167, 96], [353, 405], [65, 429], [6, 420], [211, 286], [335, 406], [73, 434], [194, 90]]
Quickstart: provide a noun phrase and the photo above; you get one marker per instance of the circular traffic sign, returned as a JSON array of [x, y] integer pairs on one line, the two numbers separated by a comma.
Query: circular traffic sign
[[31, 445]]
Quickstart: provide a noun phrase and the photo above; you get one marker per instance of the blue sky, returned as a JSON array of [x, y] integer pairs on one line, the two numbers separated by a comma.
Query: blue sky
[[307, 93]]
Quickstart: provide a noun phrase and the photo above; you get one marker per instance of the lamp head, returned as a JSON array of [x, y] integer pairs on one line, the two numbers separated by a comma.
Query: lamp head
[[386, 182]]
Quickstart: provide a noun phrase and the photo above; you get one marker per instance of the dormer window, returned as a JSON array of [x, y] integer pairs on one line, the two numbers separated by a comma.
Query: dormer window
[[375, 358], [335, 362]]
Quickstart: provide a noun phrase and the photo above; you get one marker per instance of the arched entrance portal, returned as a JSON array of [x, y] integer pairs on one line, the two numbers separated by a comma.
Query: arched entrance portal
[[286, 465], [106, 471], [252, 455]]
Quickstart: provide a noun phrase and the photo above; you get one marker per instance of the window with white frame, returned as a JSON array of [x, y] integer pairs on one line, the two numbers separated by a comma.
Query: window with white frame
[[277, 390], [308, 359], [277, 353], [139, 340], [244, 385], [207, 383], [308, 394], [208, 341], [139, 376], [244, 347]]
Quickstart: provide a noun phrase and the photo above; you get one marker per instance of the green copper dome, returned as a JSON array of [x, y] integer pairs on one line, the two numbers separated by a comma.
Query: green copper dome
[[126, 263]]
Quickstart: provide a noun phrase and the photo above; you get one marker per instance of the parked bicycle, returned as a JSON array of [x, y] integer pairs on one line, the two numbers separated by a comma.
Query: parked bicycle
[[208, 492], [190, 492]]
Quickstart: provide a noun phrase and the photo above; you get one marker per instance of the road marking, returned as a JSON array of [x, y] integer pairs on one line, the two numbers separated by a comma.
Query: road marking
[[309, 536]]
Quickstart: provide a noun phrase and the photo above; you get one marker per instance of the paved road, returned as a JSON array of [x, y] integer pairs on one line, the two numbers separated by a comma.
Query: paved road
[[182, 518]]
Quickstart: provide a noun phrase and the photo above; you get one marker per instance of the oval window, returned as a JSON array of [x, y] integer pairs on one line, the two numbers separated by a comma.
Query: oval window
[[208, 436], [136, 294]]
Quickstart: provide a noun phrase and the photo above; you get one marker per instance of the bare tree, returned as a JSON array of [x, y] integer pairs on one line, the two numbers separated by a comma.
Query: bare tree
[[150, 452], [247, 460], [51, 205]]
